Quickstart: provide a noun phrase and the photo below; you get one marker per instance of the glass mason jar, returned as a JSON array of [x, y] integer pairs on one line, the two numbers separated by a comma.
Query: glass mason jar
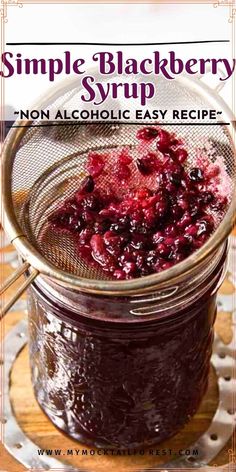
[[124, 371]]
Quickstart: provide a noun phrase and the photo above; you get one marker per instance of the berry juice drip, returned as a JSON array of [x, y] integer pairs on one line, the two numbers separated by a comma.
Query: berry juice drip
[[140, 211]]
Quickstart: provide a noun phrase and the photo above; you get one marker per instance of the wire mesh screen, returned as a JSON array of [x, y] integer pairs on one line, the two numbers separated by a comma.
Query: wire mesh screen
[[51, 162]]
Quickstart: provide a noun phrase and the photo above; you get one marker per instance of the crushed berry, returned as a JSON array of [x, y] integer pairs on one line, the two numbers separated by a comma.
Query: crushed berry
[[163, 140], [124, 157], [175, 178], [219, 204], [207, 197], [147, 164], [159, 221], [87, 185], [143, 167], [96, 164], [146, 134], [123, 172], [181, 155], [196, 174]]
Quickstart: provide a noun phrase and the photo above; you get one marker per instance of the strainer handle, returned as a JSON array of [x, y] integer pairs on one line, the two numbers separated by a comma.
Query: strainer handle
[[11, 280], [218, 87]]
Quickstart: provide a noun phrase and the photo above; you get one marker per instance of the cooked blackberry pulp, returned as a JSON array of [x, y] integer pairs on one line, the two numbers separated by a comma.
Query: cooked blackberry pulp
[[156, 211]]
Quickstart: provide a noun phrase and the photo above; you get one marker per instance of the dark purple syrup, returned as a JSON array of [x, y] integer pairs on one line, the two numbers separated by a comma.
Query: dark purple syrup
[[110, 379]]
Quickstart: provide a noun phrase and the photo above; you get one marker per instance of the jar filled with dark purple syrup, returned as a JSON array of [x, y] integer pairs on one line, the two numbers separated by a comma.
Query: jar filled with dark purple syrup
[[124, 370]]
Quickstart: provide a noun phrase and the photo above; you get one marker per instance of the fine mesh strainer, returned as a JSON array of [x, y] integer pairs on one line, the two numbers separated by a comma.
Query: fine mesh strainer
[[44, 162]]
